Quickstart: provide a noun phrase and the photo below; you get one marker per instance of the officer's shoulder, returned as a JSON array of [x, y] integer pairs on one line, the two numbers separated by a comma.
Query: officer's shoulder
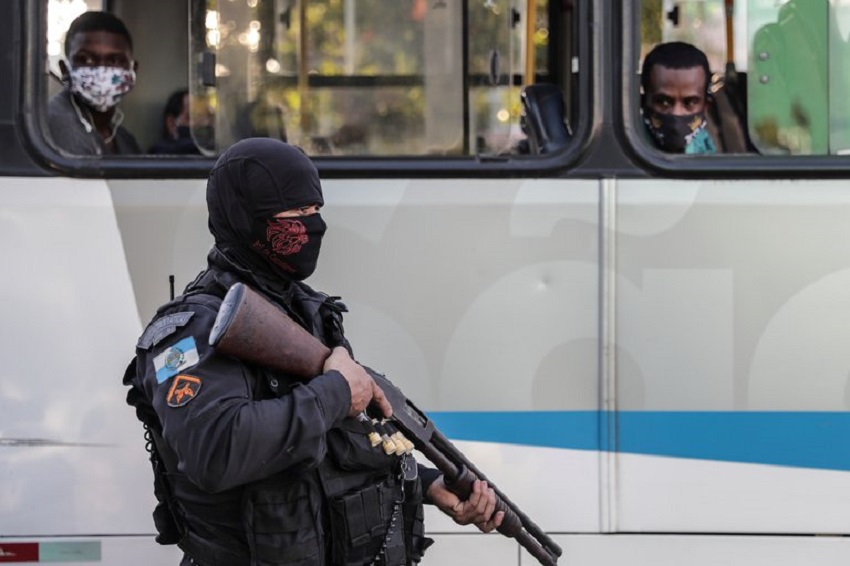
[[315, 295], [178, 317]]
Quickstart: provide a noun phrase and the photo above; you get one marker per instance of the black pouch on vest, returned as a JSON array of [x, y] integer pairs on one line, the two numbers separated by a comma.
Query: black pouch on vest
[[350, 449], [414, 522], [359, 522], [281, 525], [169, 528]]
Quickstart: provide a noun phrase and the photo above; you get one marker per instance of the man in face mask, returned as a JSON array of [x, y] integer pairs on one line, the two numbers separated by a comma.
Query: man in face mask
[[256, 467], [675, 79], [98, 71], [176, 137]]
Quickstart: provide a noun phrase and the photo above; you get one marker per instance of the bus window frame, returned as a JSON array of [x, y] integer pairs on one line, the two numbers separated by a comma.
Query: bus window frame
[[33, 123], [664, 164]]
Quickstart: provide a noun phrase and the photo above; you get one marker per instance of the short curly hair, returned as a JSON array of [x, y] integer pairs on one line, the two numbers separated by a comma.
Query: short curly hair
[[96, 21], [674, 55]]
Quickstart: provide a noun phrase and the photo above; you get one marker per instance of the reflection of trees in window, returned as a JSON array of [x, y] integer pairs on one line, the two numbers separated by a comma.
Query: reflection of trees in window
[[698, 22], [650, 24], [343, 87], [366, 37], [541, 38], [356, 76]]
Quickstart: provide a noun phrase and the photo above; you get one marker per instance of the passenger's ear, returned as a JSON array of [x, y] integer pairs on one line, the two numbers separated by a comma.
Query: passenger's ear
[[171, 126]]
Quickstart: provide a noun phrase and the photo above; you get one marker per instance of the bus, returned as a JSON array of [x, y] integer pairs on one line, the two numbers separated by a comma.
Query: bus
[[647, 352]]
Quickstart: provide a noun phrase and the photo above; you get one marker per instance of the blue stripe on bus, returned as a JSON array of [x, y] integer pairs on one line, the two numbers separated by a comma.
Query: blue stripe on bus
[[800, 439]]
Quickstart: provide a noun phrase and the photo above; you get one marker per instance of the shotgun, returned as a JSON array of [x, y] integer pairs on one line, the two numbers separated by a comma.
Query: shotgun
[[251, 328]]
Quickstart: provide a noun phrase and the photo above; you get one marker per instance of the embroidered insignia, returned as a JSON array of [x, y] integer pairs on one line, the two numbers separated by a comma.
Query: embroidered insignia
[[175, 359], [184, 389], [162, 328]]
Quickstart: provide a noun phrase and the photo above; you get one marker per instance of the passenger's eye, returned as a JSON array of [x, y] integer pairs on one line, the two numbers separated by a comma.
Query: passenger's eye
[[84, 61], [117, 61]]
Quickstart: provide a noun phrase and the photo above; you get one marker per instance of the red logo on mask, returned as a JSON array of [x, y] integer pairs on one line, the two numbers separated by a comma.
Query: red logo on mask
[[286, 236]]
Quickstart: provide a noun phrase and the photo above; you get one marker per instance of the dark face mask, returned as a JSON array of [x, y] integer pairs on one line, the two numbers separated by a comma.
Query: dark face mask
[[673, 133], [183, 132], [290, 245]]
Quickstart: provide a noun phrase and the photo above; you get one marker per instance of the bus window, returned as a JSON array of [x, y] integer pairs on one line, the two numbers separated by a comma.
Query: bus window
[[162, 70], [368, 77], [60, 14], [340, 78], [779, 82], [712, 26]]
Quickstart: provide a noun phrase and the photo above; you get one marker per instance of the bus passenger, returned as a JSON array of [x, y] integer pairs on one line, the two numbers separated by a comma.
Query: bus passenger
[[675, 80], [98, 71], [176, 136], [260, 468]]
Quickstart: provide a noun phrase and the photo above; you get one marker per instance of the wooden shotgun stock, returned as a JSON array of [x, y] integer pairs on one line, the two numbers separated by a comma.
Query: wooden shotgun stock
[[250, 328]]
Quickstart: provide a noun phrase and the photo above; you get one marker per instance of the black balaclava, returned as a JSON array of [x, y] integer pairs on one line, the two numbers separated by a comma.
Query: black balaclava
[[253, 180]]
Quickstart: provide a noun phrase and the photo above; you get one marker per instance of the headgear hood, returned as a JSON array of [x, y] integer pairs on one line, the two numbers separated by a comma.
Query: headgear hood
[[253, 180]]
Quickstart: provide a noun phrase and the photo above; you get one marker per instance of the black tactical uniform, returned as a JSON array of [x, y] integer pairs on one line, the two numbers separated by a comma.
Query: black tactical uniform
[[252, 466]]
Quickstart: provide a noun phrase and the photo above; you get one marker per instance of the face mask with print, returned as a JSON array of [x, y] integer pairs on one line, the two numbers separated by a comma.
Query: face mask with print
[[680, 134], [290, 245], [102, 87]]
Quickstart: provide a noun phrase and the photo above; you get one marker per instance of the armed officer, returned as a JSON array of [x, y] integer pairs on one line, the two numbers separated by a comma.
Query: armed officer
[[252, 467]]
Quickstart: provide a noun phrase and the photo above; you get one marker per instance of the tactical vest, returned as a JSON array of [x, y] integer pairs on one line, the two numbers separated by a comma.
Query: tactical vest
[[359, 507]]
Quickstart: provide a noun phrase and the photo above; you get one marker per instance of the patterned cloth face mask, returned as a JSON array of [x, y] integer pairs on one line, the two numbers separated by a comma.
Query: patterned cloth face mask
[[102, 87], [680, 134]]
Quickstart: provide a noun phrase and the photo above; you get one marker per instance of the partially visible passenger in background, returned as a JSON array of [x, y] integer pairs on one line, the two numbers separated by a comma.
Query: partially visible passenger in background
[[97, 72], [176, 137], [675, 79], [261, 119]]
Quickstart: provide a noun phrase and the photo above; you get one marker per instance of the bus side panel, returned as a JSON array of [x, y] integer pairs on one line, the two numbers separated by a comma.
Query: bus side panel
[[732, 307], [89, 551], [478, 298], [72, 456], [670, 550], [557, 487]]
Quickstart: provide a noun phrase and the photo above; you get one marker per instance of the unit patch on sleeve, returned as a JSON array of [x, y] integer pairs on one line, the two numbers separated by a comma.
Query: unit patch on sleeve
[[176, 358], [184, 389]]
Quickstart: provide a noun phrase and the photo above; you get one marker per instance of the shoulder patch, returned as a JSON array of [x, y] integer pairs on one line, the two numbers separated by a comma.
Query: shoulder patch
[[176, 358], [184, 389], [162, 328]]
